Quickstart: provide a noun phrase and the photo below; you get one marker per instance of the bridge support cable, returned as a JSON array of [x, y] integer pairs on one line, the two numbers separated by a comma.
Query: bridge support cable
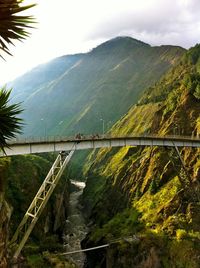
[[185, 171], [39, 202], [192, 187]]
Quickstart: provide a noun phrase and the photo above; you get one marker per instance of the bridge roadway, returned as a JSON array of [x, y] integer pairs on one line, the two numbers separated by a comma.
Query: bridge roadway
[[57, 144]]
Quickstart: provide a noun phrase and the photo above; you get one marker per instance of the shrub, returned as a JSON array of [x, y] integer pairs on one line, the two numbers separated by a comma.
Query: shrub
[[181, 234], [197, 92], [153, 187]]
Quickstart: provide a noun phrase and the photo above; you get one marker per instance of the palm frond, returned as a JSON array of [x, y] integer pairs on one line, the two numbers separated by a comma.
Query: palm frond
[[12, 26], [10, 123]]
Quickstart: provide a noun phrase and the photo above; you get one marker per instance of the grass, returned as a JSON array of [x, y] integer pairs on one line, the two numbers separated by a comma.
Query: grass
[[151, 205], [121, 225], [37, 260]]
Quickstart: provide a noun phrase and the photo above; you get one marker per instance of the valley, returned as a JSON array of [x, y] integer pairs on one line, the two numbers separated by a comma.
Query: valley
[[121, 88]]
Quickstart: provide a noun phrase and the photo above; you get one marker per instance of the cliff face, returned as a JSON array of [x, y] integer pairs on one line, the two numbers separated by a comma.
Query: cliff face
[[5, 213], [144, 197], [21, 177]]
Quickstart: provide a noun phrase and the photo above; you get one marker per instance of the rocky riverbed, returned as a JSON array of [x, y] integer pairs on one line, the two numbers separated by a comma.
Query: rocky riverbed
[[75, 229]]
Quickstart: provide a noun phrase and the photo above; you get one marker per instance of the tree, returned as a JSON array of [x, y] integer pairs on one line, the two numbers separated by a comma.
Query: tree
[[10, 124], [197, 92], [153, 187], [12, 27]]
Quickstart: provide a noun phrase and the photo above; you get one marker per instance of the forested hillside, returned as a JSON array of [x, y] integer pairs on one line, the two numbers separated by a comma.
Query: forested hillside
[[72, 93], [144, 196], [22, 177], [128, 207]]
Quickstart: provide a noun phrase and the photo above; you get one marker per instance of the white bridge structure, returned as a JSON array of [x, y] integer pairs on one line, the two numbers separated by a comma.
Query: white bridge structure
[[57, 144], [62, 145]]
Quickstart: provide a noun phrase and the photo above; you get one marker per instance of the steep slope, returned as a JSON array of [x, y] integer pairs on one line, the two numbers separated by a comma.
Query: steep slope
[[101, 84], [30, 82], [5, 213], [20, 179], [144, 197]]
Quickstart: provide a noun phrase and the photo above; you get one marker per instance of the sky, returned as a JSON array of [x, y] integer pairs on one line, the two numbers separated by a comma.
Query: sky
[[72, 26]]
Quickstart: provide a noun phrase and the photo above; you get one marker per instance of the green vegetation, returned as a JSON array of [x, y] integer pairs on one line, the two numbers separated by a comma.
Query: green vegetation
[[131, 192], [185, 76], [48, 260], [37, 260], [145, 191], [24, 175], [13, 27], [121, 225], [74, 92], [197, 92], [153, 186], [11, 124]]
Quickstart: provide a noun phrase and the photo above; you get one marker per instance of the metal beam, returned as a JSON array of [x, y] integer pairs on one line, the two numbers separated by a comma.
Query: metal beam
[[39, 202], [64, 144]]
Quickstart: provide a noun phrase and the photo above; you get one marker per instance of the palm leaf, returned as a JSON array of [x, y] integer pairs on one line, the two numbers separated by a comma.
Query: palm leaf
[[10, 123], [12, 26]]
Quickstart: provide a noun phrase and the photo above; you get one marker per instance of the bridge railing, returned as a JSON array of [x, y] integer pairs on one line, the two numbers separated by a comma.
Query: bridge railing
[[47, 139]]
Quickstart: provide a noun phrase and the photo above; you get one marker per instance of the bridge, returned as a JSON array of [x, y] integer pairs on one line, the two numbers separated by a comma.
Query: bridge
[[57, 144], [62, 145]]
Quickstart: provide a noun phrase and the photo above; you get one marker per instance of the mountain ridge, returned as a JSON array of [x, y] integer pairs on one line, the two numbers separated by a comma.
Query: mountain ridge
[[79, 90], [147, 192]]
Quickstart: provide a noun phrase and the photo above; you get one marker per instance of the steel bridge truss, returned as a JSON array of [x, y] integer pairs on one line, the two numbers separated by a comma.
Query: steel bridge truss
[[39, 202]]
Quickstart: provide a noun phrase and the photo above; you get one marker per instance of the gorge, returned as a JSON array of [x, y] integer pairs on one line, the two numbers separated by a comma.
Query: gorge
[[144, 192]]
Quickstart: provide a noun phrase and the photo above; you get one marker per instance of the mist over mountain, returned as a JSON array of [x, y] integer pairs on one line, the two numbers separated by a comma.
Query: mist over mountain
[[73, 93]]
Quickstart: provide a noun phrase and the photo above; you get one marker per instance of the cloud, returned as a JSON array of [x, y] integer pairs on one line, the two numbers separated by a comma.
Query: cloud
[[75, 26], [159, 22]]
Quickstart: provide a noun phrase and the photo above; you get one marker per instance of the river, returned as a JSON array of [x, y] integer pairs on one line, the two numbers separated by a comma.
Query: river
[[75, 229]]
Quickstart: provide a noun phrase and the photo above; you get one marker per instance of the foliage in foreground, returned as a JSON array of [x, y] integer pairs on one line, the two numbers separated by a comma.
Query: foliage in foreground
[[13, 27], [10, 123]]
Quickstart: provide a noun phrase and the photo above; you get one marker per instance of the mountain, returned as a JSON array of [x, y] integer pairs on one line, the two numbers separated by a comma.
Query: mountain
[[25, 85], [145, 197], [141, 201], [73, 93]]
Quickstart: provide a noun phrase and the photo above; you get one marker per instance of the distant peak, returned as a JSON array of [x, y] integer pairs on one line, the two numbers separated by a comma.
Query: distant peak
[[128, 39], [120, 41]]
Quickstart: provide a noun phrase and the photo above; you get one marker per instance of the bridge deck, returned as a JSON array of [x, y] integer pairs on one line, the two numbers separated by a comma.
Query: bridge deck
[[57, 144]]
